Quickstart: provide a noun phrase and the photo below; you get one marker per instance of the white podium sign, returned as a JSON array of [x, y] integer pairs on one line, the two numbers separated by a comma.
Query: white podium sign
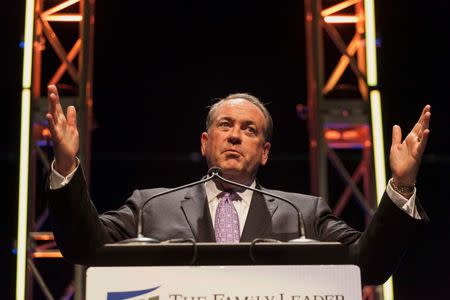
[[326, 282]]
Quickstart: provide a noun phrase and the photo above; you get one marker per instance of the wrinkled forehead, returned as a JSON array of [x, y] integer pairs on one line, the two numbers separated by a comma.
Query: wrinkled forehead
[[239, 108]]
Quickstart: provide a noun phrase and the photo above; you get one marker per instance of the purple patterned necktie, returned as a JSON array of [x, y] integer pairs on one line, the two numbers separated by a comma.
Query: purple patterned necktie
[[226, 223]]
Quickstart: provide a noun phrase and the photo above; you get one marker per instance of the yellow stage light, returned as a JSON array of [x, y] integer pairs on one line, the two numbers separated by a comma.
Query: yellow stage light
[[64, 18], [341, 19], [22, 214], [377, 124]]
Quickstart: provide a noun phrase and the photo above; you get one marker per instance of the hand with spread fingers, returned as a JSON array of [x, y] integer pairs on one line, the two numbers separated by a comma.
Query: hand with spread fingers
[[406, 155], [64, 132]]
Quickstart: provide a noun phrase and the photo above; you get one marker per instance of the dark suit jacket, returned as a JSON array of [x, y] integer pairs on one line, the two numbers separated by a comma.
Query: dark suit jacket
[[79, 230]]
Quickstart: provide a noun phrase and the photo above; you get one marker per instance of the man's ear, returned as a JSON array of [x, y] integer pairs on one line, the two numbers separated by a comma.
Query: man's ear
[[203, 141], [265, 155]]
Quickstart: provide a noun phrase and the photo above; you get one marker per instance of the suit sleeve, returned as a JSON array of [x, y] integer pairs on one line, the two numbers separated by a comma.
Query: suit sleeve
[[379, 249], [78, 228]]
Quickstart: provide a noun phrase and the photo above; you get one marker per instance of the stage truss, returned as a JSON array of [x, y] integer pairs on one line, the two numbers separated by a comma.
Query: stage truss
[[58, 49], [343, 111]]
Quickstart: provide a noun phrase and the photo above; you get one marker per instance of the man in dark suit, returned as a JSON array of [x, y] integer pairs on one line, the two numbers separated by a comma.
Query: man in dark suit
[[237, 139]]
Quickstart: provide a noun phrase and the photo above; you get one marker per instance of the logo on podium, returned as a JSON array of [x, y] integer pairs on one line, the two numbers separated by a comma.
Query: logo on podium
[[123, 295]]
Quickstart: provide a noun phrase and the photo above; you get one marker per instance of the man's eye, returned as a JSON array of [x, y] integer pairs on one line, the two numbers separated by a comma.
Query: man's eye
[[251, 130], [224, 124]]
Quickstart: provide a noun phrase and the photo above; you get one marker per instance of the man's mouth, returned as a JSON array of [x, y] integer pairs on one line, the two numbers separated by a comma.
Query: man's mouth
[[232, 153]]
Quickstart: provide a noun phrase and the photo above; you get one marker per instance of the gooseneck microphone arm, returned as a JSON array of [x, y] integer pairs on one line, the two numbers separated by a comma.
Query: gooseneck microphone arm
[[213, 173], [216, 172], [140, 237]]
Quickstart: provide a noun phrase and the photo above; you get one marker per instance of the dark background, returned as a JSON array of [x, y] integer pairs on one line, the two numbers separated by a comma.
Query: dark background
[[158, 64]]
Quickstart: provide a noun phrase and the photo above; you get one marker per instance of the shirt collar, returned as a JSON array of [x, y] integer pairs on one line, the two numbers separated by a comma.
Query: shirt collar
[[212, 192]]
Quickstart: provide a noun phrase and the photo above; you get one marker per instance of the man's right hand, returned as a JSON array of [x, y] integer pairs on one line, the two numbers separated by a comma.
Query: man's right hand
[[63, 128]]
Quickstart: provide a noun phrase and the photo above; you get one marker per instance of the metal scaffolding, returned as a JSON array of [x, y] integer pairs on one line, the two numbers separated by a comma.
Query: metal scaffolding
[[339, 104], [62, 55]]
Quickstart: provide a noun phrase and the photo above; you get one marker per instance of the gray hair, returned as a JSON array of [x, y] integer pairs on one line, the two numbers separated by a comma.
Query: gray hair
[[268, 128]]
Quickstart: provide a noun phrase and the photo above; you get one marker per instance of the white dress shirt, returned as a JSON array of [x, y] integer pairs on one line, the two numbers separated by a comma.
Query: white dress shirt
[[242, 203]]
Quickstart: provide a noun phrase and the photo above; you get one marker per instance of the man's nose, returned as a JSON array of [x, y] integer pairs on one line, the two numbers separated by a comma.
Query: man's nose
[[235, 135]]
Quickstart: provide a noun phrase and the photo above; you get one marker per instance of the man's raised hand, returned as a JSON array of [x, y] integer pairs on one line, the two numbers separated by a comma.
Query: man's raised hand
[[405, 157], [63, 129]]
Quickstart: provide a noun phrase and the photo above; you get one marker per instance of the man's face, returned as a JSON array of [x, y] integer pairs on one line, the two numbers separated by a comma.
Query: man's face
[[235, 140]]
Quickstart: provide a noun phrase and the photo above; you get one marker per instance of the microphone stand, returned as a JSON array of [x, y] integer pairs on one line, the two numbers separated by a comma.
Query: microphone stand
[[213, 172], [140, 238]]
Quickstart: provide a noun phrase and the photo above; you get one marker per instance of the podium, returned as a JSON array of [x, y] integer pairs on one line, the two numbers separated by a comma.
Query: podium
[[211, 271]]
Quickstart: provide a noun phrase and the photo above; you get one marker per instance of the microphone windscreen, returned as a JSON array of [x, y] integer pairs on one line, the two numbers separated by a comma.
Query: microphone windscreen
[[215, 170]]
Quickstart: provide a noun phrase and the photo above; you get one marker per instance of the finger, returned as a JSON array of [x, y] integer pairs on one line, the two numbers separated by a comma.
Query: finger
[[416, 128], [54, 103], [419, 132], [72, 116], [51, 125], [51, 102], [50, 120], [423, 115], [52, 89], [396, 135], [426, 120], [423, 141]]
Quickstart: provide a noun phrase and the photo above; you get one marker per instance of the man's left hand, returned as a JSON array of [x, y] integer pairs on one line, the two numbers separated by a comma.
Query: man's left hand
[[405, 157]]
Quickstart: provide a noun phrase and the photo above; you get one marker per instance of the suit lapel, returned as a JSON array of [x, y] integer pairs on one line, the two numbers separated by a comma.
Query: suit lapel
[[259, 217], [196, 210]]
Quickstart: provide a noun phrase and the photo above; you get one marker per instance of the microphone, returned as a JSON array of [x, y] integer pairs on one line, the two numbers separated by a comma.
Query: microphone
[[216, 172], [212, 173]]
